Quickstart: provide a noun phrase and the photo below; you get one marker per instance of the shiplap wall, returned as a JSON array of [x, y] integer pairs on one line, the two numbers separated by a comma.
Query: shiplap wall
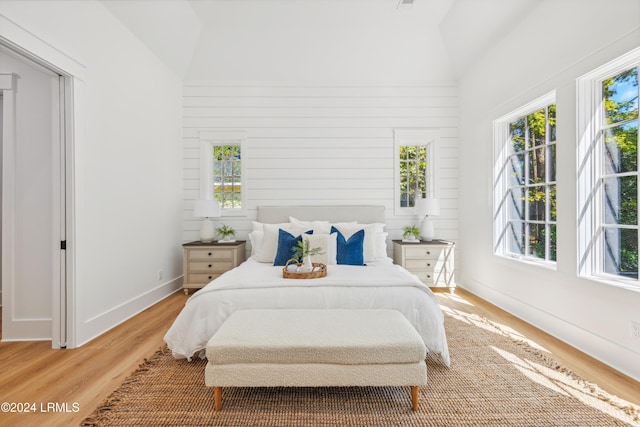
[[322, 144]]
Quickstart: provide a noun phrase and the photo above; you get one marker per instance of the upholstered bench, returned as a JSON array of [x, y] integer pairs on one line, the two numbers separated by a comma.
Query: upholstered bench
[[315, 348]]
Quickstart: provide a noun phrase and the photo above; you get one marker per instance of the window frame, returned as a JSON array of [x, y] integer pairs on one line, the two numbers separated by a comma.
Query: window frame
[[591, 258], [428, 138], [502, 187], [209, 140]]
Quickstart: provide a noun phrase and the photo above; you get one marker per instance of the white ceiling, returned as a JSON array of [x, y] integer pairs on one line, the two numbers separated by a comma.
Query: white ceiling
[[215, 39]]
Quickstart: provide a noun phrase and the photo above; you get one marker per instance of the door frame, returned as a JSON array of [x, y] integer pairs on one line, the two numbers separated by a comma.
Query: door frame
[[71, 73]]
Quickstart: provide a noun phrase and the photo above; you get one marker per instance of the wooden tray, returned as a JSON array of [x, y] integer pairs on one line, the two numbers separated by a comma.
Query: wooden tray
[[319, 270]]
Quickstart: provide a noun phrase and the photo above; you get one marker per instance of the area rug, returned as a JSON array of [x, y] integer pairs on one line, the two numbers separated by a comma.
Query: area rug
[[495, 380]]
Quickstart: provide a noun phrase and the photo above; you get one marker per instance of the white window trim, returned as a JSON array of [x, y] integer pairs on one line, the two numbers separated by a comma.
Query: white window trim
[[589, 119], [210, 139], [428, 137], [500, 157]]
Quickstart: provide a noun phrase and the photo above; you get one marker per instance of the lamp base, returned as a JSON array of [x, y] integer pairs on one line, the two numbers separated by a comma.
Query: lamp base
[[207, 231], [427, 232]]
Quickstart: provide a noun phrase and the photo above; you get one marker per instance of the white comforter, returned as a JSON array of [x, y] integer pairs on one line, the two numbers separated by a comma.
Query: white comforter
[[260, 285]]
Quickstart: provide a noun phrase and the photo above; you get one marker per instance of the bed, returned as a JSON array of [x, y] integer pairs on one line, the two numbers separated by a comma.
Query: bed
[[372, 281]]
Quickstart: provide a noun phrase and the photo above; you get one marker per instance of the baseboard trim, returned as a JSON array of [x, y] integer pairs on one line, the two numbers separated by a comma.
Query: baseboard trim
[[103, 322], [606, 351]]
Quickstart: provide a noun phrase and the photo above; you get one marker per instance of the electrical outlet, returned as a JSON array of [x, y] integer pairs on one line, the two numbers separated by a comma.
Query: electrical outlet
[[160, 274], [635, 330]]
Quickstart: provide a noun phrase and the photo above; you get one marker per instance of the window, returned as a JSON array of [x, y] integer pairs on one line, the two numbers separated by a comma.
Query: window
[[525, 185], [608, 180], [415, 152], [413, 174], [222, 169], [227, 175]]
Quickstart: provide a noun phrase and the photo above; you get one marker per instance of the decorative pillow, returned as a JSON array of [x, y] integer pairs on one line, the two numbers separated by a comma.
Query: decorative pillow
[[256, 237], [259, 226], [370, 232], [381, 245], [327, 245], [318, 227], [286, 243], [269, 247], [349, 251]]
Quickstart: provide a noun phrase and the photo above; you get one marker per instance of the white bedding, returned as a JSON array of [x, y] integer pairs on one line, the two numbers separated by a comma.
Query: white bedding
[[255, 285]]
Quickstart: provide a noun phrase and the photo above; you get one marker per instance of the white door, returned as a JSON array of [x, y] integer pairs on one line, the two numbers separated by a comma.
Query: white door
[[31, 206]]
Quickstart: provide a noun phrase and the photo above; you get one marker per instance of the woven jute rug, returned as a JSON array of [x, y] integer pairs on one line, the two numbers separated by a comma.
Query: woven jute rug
[[495, 380]]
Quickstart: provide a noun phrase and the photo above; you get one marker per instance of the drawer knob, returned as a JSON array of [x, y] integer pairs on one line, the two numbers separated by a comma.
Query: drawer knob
[[428, 253], [209, 265], [209, 253], [209, 277], [428, 264]]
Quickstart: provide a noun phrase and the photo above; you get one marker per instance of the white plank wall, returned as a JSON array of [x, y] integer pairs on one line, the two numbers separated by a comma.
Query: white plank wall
[[322, 144]]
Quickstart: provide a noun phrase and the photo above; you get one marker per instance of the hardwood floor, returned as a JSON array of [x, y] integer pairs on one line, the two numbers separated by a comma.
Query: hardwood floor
[[32, 372], [585, 366]]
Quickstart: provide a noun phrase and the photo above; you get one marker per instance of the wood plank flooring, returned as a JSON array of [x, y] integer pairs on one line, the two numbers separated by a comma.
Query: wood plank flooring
[[33, 372]]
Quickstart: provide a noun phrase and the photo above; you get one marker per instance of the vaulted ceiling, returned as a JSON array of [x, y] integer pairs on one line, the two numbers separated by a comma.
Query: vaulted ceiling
[[319, 39]]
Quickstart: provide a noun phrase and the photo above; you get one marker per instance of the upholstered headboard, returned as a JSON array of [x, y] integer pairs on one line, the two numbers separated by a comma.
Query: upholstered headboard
[[360, 213]]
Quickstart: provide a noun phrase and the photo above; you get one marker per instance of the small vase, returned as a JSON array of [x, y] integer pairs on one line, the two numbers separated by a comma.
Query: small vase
[[307, 265]]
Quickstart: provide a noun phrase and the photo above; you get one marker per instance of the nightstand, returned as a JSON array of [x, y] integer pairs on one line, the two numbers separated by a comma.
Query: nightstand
[[203, 262], [432, 262]]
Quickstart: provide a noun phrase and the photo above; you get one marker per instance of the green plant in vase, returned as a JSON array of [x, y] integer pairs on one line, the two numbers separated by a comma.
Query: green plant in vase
[[226, 232], [302, 252], [411, 233]]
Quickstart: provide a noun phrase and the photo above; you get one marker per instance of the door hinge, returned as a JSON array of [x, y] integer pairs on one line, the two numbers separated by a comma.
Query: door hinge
[[63, 245]]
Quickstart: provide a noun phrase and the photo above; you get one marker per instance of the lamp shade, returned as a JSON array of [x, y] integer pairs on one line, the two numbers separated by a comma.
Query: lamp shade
[[427, 206], [206, 209]]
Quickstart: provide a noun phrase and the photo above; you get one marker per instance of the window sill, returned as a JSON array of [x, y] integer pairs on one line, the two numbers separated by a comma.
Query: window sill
[[530, 261], [234, 213]]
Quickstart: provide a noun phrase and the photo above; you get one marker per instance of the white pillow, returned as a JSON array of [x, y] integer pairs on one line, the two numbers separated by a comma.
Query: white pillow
[[327, 244], [259, 226], [381, 245], [370, 231], [267, 252], [318, 227], [256, 237]]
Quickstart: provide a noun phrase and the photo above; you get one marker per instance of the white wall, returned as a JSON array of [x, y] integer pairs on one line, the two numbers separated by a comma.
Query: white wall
[[319, 88], [572, 39], [127, 164], [322, 144]]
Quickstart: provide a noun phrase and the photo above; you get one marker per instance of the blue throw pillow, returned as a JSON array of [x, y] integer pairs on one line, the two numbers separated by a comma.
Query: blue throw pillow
[[286, 243], [350, 252]]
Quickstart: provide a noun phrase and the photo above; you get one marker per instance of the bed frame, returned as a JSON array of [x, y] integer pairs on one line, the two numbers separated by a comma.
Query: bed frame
[[335, 213]]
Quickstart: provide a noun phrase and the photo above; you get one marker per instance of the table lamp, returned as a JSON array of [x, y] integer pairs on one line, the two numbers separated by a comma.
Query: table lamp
[[207, 209], [426, 208]]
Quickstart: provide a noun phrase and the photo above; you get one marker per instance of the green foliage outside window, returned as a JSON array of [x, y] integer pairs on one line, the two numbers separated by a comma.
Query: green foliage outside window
[[413, 174], [620, 173], [532, 184], [227, 176]]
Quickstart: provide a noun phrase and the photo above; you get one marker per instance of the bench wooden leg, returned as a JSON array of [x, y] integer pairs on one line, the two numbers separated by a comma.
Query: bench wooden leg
[[414, 397], [217, 397]]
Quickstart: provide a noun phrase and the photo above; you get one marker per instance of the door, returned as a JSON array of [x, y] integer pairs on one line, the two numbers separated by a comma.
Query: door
[[32, 209]]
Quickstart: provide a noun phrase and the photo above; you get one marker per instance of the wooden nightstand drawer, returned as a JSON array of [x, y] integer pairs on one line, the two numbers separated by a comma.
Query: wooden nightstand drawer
[[217, 266], [432, 262], [425, 276], [204, 262], [422, 252], [210, 254], [202, 278], [420, 264]]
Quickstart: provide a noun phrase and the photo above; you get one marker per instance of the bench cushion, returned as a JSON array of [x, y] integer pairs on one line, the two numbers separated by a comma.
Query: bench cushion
[[335, 336]]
